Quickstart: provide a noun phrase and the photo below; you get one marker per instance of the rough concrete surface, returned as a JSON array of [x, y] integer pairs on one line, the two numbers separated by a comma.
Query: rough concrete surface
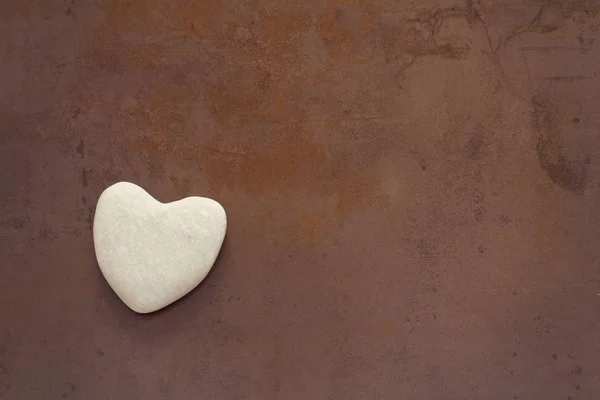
[[411, 188]]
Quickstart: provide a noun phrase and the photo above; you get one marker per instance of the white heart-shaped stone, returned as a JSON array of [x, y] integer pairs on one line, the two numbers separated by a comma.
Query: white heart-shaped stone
[[152, 253]]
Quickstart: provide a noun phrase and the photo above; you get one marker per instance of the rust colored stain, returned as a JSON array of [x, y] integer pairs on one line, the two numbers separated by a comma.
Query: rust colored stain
[[287, 160], [338, 40], [15, 9], [164, 23], [411, 190], [341, 35], [290, 162], [183, 18]]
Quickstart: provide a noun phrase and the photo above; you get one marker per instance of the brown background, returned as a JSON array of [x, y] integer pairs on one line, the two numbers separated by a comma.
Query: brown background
[[411, 187]]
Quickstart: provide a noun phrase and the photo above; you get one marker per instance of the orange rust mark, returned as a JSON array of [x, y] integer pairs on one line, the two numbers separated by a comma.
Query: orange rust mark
[[21, 8], [253, 101], [150, 146], [288, 165], [266, 165], [282, 109], [349, 194], [252, 91], [189, 20], [279, 31], [339, 38], [333, 123], [313, 226], [194, 18], [367, 24]]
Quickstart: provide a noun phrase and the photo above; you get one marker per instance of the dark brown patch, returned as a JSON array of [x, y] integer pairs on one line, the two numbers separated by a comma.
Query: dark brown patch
[[576, 371], [426, 247], [80, 148], [567, 173], [46, 233], [90, 218], [471, 12], [568, 79], [16, 223], [474, 144], [478, 197], [84, 177], [584, 41], [480, 213]]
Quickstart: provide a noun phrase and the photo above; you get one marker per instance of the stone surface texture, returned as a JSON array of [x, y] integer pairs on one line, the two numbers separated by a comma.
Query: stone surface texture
[[412, 189], [151, 253]]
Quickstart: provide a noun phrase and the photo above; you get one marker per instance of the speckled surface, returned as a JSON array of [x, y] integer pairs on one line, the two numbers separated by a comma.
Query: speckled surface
[[412, 191]]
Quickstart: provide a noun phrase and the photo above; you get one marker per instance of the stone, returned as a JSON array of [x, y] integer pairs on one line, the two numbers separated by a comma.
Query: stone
[[154, 253]]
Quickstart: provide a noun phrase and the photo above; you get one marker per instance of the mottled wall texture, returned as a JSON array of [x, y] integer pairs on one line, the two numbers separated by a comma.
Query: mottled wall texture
[[412, 189]]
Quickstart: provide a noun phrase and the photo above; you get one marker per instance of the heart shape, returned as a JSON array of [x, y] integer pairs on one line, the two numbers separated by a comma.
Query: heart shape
[[154, 253]]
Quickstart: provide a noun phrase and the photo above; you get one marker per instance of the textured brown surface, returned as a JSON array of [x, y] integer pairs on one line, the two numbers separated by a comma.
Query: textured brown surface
[[412, 192]]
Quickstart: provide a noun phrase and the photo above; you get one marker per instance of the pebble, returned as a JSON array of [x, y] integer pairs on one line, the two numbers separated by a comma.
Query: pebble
[[154, 253]]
